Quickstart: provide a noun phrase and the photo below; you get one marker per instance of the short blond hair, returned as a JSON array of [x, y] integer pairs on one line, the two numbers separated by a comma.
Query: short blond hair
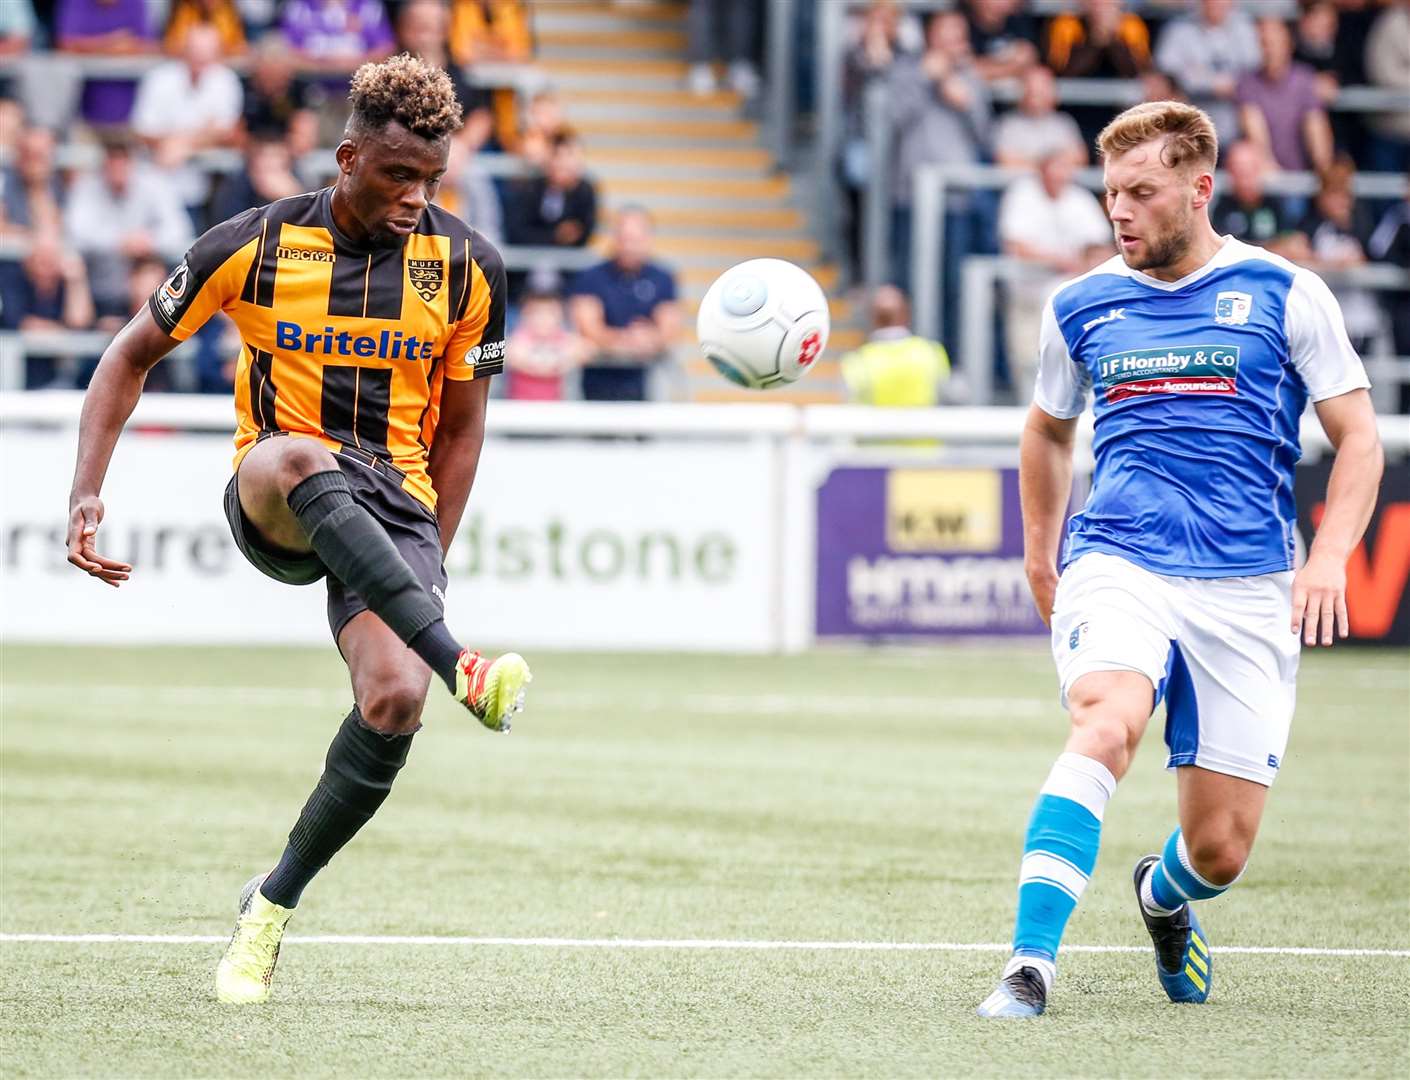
[[1187, 133]]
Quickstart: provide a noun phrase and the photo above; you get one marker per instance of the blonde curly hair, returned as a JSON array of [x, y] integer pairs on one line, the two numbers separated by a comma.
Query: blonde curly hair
[[417, 95]]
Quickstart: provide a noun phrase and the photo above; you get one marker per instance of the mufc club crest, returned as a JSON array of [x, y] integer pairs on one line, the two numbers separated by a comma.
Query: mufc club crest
[[427, 277], [1232, 308]]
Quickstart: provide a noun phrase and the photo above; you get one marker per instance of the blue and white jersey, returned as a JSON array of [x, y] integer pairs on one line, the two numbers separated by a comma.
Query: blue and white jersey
[[1198, 388]]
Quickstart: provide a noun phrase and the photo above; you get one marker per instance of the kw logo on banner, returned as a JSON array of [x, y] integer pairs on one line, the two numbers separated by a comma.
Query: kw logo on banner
[[943, 509]]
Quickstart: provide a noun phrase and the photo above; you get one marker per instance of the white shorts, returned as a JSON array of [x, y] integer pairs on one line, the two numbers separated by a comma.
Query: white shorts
[[1218, 651]]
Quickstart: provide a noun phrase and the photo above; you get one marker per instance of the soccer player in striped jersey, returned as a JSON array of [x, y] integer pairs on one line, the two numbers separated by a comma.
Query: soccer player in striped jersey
[[1200, 354], [371, 321]]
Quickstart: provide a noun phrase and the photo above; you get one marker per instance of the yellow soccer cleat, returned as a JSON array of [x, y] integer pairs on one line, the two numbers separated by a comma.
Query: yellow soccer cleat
[[247, 968], [492, 689]]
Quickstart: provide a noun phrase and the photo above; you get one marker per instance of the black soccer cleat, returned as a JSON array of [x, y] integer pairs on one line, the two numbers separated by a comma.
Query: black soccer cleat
[[1182, 960]]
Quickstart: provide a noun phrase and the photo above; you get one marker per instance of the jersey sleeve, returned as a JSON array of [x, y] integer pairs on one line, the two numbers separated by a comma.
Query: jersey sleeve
[[1063, 383], [1317, 343], [476, 347], [210, 277]]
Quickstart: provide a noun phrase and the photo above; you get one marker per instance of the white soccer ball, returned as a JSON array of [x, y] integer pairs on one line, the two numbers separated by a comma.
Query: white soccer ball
[[763, 323]]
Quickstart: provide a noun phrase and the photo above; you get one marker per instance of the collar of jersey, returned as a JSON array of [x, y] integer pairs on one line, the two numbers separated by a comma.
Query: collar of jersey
[[1229, 248], [341, 240]]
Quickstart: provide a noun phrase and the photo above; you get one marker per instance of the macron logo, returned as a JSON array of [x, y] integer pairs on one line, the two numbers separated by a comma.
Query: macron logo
[[1111, 316]]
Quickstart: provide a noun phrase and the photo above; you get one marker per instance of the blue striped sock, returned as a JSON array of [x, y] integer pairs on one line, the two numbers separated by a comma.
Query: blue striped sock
[[1059, 851], [1173, 880]]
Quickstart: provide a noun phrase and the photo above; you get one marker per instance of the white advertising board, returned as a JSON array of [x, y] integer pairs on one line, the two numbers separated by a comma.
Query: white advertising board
[[567, 543]]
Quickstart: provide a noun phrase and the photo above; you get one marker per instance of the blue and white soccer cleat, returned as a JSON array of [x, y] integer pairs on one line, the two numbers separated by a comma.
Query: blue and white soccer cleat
[[1022, 993], [1182, 959]]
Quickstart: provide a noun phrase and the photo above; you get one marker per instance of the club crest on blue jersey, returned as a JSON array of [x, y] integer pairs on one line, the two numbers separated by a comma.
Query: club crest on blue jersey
[[1232, 308]]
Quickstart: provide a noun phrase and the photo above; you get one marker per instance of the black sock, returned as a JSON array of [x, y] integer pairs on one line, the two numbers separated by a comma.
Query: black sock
[[360, 554], [357, 778]]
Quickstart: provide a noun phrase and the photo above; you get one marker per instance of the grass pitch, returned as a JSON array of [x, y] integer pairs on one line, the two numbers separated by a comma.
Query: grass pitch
[[841, 796]]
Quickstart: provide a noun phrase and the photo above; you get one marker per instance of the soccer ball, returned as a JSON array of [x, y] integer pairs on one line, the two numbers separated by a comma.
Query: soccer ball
[[763, 323]]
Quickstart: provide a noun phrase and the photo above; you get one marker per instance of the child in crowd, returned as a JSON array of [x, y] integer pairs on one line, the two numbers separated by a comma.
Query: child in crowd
[[542, 350]]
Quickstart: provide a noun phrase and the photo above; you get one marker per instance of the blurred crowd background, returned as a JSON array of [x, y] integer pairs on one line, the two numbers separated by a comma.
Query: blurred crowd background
[[624, 152]]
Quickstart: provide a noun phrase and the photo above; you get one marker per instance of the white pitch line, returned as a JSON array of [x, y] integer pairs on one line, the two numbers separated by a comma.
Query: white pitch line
[[663, 943]]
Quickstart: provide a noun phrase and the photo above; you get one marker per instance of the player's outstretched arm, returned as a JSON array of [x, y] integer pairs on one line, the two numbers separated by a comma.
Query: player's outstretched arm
[[112, 395], [1319, 589], [455, 450], [1044, 486]]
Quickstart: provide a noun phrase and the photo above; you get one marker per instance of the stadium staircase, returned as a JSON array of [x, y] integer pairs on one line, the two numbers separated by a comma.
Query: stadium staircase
[[694, 162]]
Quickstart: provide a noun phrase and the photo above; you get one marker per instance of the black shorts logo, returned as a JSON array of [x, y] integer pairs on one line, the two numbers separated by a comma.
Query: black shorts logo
[[427, 277]]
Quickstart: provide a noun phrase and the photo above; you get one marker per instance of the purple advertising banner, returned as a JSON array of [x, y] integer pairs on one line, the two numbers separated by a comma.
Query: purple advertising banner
[[921, 553]]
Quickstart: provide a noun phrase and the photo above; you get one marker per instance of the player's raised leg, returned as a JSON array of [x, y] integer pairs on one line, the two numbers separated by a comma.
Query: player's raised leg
[[293, 492], [1109, 710]]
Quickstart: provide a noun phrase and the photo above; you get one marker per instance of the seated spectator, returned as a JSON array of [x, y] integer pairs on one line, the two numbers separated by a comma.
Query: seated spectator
[[1388, 66], [221, 15], [30, 192], [542, 351], [1246, 211], [468, 192], [626, 308], [422, 26], [542, 121], [144, 277], [1281, 111], [1053, 225], [47, 291], [1390, 242], [186, 106], [1003, 37], [1315, 44], [723, 31], [490, 31], [559, 208], [1205, 56], [895, 367], [1103, 42], [274, 94], [1338, 229], [337, 36], [1037, 129], [123, 211], [268, 175], [114, 28]]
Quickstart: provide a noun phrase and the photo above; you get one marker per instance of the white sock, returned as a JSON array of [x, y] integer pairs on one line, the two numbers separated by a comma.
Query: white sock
[[1148, 897]]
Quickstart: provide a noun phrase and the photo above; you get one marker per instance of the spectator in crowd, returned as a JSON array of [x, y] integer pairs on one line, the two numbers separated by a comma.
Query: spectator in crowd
[[542, 351], [11, 124], [722, 31], [1246, 211], [32, 194], [559, 208], [336, 36], [47, 291], [1354, 21], [1390, 242], [186, 106], [220, 15], [1315, 44], [895, 366], [144, 277], [1102, 42], [1055, 226], [626, 309], [268, 175], [113, 28], [1337, 230], [279, 104], [490, 31], [1388, 66], [1036, 129], [1002, 37], [122, 212], [1281, 110], [1206, 55], [17, 25], [543, 119], [468, 192], [422, 26]]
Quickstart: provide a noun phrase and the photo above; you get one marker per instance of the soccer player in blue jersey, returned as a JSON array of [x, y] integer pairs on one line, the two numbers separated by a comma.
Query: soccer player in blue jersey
[[1177, 583]]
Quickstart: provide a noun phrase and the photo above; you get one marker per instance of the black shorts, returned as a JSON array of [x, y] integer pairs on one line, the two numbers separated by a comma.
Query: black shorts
[[412, 528]]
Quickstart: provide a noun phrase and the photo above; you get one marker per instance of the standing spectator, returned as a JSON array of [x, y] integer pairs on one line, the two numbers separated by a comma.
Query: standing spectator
[[1052, 224], [559, 208], [422, 26], [1337, 230], [186, 106], [1315, 45], [122, 212], [112, 28], [1246, 211], [626, 308], [274, 95], [1282, 113], [1036, 129], [1103, 42], [709, 22], [47, 291], [30, 193], [1388, 66], [1002, 37], [221, 15], [337, 36], [1206, 55], [895, 367], [268, 175], [542, 351], [490, 31]]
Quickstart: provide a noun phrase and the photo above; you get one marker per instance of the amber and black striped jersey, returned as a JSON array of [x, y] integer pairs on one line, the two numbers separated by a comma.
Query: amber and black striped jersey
[[346, 344]]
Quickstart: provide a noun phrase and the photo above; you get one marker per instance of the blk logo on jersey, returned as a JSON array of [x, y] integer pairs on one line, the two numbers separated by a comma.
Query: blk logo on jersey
[[1183, 369]]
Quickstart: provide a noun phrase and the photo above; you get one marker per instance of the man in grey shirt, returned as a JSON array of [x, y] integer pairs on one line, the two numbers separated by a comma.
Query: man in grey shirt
[[1205, 56]]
